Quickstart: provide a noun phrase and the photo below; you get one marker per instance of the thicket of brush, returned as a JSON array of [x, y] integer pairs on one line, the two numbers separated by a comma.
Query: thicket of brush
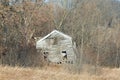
[[94, 26]]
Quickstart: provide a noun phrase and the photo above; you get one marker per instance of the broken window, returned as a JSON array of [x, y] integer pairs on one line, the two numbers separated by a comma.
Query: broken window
[[45, 54], [64, 54]]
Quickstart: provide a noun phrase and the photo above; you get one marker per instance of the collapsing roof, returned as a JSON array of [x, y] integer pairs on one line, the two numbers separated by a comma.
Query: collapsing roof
[[53, 34], [58, 47]]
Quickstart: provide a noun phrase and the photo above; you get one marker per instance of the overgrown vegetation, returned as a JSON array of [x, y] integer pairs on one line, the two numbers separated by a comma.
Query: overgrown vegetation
[[52, 73], [18, 25], [94, 26]]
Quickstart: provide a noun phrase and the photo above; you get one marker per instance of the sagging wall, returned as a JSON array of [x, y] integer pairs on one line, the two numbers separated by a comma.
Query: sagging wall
[[55, 46]]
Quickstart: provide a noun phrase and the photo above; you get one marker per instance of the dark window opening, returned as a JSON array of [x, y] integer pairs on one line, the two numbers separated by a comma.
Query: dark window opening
[[45, 54], [63, 51], [64, 55]]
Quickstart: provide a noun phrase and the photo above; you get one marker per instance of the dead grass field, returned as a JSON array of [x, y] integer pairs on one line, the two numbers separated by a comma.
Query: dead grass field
[[54, 73]]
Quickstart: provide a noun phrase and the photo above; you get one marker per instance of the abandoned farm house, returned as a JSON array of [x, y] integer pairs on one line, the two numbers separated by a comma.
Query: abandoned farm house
[[56, 47]]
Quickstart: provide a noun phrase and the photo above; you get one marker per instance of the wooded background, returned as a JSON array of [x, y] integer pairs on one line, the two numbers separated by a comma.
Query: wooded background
[[93, 24]]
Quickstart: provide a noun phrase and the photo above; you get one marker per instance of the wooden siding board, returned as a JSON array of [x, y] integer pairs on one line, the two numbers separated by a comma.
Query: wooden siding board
[[64, 43]]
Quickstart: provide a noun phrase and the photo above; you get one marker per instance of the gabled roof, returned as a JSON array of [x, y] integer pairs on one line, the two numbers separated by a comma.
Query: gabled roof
[[53, 32]]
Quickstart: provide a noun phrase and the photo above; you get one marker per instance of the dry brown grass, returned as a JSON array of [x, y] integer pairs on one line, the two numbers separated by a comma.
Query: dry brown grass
[[53, 73]]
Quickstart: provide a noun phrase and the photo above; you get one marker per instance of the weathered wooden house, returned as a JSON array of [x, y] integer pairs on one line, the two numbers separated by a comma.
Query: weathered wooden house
[[57, 47]]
